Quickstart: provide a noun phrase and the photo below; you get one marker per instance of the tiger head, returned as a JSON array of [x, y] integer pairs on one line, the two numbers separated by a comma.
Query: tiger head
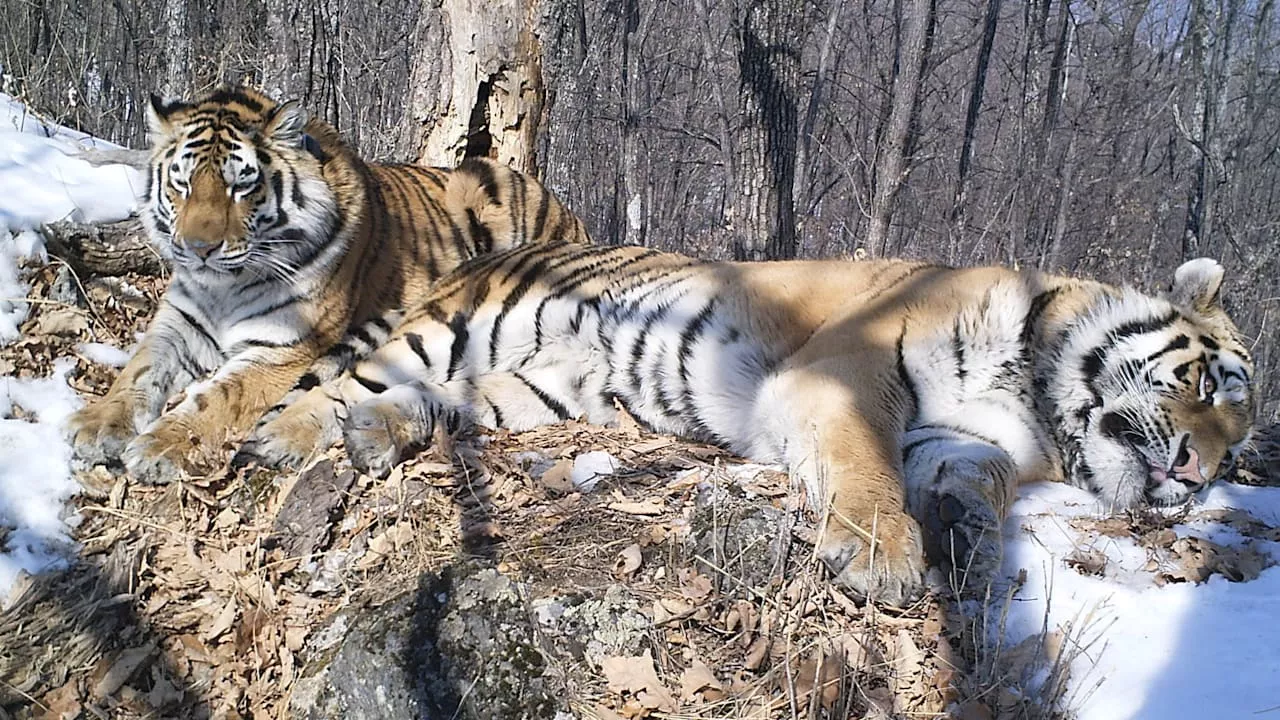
[[237, 183], [1163, 386]]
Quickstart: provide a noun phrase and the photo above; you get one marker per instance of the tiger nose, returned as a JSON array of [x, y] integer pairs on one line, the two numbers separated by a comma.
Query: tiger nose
[[202, 248]]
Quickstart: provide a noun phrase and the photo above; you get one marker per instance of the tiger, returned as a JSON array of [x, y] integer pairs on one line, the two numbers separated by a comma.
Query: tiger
[[290, 257], [907, 400]]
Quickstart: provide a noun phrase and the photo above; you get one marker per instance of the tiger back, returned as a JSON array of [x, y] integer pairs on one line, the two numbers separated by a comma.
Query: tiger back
[[284, 245]]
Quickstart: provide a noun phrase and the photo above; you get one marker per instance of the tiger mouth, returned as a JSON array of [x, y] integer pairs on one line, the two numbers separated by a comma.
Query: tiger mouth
[[1185, 471]]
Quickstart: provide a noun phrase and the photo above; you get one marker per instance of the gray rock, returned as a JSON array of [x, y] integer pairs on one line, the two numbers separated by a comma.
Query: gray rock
[[745, 541], [467, 643], [460, 645]]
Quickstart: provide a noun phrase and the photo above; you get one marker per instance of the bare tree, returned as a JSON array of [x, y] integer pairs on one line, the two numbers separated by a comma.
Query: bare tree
[[763, 212], [893, 151]]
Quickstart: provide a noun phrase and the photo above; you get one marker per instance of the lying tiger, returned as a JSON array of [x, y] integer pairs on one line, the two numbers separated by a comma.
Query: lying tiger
[[282, 241], [906, 399]]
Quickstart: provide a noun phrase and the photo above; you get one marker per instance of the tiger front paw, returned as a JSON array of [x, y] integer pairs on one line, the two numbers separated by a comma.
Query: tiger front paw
[[889, 571], [167, 451], [962, 531], [98, 433], [370, 439], [287, 440]]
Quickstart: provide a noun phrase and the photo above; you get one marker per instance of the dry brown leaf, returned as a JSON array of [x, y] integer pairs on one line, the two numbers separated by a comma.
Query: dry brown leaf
[[556, 478], [65, 321], [223, 622], [628, 560], [821, 672], [858, 649], [1087, 561], [642, 507], [756, 654], [908, 676], [974, 710], [62, 703], [600, 712], [1195, 559], [698, 678], [694, 585], [637, 676], [626, 422], [123, 668], [649, 446]]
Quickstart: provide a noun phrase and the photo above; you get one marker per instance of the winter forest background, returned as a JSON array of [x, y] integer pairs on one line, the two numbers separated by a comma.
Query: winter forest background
[[1113, 138]]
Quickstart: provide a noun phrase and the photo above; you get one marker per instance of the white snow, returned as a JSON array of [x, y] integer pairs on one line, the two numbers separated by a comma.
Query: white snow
[[1173, 651], [42, 179], [35, 480], [589, 467], [24, 246], [105, 354]]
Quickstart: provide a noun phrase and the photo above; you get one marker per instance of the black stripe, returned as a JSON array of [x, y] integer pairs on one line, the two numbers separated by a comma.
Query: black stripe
[[527, 281], [372, 386], [461, 334], [1094, 360], [307, 381], [957, 349], [272, 308], [642, 339], [544, 205], [414, 341], [899, 280], [497, 414], [1181, 342], [1039, 304], [199, 328], [552, 404], [381, 324]]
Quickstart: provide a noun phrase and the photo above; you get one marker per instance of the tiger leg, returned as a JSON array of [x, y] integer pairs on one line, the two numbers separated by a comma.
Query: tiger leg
[[844, 449], [358, 344], [190, 437], [381, 430], [166, 360], [962, 472], [959, 487]]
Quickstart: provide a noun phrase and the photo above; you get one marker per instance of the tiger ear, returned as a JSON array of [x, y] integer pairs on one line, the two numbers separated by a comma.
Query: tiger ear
[[286, 123], [160, 114], [1197, 284]]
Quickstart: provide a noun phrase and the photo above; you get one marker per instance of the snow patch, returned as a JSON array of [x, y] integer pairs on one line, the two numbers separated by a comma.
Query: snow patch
[[26, 245], [1178, 650], [589, 467], [105, 354], [35, 477]]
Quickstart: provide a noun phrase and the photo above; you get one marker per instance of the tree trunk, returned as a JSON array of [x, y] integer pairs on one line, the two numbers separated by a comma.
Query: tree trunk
[[477, 90], [893, 161], [959, 200], [762, 218]]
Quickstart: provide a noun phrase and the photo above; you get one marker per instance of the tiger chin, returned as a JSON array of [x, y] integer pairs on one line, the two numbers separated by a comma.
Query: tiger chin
[[907, 400], [290, 258]]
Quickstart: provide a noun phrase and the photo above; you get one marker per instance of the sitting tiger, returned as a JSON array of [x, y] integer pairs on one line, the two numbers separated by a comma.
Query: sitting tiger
[[907, 400], [282, 241]]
